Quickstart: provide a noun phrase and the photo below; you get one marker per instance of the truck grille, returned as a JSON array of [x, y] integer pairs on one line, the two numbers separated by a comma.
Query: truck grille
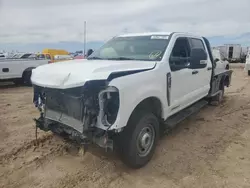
[[66, 104]]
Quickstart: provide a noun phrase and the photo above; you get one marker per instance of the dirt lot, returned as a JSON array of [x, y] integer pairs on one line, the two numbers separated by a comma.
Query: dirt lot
[[211, 149]]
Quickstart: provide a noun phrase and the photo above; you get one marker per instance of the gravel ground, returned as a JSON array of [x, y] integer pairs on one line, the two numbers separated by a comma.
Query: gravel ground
[[211, 149]]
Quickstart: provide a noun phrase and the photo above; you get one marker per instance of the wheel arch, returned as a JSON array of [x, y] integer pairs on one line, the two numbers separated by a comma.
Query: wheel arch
[[153, 103], [27, 70], [26, 75]]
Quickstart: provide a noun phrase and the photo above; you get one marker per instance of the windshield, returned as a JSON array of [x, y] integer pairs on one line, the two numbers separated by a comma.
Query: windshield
[[25, 56], [144, 48]]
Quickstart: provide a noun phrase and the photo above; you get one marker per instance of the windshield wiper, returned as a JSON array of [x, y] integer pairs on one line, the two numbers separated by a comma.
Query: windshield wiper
[[115, 58], [121, 58], [94, 58]]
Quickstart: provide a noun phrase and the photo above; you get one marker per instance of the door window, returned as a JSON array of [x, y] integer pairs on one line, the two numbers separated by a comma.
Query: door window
[[180, 54], [197, 43]]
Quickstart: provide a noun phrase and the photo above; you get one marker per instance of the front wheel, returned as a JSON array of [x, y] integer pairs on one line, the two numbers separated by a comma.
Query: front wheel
[[26, 78], [138, 140]]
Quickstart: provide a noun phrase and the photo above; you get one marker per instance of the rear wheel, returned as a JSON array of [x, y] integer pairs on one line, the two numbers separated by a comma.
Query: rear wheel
[[26, 77], [227, 67], [18, 81], [249, 73], [220, 96], [218, 99], [138, 140]]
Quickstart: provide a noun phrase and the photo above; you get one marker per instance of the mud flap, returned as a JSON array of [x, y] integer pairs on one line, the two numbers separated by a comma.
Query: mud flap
[[217, 99]]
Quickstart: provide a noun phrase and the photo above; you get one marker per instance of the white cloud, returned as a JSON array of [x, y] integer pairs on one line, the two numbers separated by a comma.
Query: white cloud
[[36, 21]]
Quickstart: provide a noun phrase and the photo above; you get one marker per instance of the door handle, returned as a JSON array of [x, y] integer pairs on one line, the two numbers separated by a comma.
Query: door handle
[[195, 72], [209, 68]]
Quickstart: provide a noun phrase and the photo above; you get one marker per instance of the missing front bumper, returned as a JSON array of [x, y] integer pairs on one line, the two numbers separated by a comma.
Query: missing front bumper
[[84, 114], [64, 119], [93, 136]]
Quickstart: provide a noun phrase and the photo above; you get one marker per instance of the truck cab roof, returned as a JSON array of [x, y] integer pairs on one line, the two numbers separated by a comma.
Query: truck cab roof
[[156, 33], [144, 34]]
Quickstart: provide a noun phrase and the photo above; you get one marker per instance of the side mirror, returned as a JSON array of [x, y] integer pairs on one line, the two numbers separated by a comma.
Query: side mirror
[[177, 63], [198, 58], [89, 52]]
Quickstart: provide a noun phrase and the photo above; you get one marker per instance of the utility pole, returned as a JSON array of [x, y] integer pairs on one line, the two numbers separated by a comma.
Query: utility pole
[[84, 51]]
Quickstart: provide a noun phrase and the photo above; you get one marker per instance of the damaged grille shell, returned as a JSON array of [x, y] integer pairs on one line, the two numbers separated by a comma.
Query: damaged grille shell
[[76, 107]]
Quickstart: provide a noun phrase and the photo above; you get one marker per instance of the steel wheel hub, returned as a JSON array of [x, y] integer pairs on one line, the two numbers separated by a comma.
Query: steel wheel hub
[[145, 140]]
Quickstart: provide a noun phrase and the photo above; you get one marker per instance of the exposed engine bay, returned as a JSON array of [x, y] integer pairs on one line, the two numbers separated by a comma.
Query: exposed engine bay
[[83, 114]]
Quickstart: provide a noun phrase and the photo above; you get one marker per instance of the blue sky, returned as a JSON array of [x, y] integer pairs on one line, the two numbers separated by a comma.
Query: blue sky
[[31, 25]]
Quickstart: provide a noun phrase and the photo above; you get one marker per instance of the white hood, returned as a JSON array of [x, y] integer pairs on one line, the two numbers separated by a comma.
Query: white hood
[[76, 72]]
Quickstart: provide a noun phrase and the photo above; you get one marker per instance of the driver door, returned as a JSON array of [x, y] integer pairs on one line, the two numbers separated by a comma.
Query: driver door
[[182, 79]]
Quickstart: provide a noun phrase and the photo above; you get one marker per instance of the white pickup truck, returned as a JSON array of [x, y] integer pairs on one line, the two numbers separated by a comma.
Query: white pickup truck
[[18, 70], [129, 91]]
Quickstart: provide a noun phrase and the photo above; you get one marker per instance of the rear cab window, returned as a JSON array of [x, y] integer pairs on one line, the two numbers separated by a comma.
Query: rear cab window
[[197, 43]]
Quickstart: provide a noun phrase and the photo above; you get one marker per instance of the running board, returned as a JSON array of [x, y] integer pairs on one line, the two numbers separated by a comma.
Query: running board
[[172, 121]]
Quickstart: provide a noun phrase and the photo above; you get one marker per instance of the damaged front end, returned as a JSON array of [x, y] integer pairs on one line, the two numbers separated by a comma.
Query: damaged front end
[[83, 114]]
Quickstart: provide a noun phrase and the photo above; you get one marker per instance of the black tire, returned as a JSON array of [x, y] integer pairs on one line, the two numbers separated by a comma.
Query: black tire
[[227, 67], [18, 81], [220, 96], [248, 73], [26, 78], [134, 142]]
